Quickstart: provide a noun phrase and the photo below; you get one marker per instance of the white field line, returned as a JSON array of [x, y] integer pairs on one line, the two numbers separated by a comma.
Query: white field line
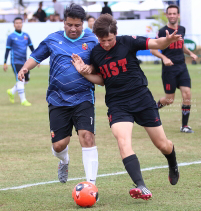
[[101, 175]]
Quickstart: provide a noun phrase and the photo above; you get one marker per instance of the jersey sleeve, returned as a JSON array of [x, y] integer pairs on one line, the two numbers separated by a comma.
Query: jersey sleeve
[[41, 53], [94, 63], [137, 43], [9, 42], [29, 41]]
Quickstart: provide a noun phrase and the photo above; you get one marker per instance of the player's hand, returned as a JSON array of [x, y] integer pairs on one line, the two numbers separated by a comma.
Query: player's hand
[[21, 73], [173, 37], [167, 62], [5, 67], [80, 66], [193, 56]]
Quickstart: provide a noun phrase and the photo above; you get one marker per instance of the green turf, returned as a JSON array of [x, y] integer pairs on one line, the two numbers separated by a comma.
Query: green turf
[[26, 158]]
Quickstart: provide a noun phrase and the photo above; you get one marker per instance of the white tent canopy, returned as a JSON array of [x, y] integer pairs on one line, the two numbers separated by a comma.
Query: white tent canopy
[[124, 6], [151, 5]]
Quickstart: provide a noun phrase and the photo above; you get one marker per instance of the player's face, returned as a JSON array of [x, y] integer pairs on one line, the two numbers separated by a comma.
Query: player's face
[[18, 24], [172, 15], [91, 22], [108, 42], [73, 27]]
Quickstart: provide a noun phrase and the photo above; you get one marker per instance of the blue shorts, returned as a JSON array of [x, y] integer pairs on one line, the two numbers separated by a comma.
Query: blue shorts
[[17, 68], [146, 114]]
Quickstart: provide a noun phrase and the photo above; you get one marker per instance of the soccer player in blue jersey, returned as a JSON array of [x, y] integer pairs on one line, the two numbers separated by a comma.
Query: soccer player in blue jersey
[[17, 43], [70, 96], [90, 23]]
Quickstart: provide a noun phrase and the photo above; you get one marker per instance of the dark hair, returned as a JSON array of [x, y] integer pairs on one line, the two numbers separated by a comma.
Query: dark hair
[[90, 16], [17, 18], [75, 11], [104, 25], [172, 6]]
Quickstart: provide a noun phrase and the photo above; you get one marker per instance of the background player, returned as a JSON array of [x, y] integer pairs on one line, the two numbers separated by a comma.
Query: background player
[[174, 71], [70, 96], [17, 42], [90, 23], [127, 97]]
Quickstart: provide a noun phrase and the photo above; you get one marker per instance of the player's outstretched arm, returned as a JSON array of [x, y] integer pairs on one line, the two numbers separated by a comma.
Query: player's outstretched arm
[[191, 54], [163, 42], [166, 61], [29, 65], [86, 70]]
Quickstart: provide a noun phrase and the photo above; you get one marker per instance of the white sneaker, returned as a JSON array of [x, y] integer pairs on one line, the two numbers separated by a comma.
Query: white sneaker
[[186, 129]]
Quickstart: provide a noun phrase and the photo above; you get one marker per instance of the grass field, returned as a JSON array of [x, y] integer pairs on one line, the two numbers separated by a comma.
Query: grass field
[[26, 158]]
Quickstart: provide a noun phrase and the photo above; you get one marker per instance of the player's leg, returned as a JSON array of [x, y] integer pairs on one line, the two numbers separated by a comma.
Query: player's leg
[[122, 131], [11, 92], [83, 120], [169, 85], [121, 123], [186, 107], [60, 130], [160, 140], [185, 88], [20, 88]]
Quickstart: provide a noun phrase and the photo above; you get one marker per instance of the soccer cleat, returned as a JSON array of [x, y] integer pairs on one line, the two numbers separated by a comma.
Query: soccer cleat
[[186, 129], [63, 172], [140, 192], [173, 175], [11, 96], [25, 103]]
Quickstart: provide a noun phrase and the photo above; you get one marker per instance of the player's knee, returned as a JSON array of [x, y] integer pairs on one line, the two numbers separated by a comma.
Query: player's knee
[[58, 146], [165, 146], [88, 139]]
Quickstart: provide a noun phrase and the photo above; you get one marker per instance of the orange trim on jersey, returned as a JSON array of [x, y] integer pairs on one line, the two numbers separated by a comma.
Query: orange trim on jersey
[[147, 40]]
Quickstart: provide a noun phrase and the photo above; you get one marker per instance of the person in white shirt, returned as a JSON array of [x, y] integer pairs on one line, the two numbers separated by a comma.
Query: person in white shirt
[[58, 9]]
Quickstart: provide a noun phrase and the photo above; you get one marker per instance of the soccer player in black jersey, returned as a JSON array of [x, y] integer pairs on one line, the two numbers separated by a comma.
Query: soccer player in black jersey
[[127, 97], [174, 71]]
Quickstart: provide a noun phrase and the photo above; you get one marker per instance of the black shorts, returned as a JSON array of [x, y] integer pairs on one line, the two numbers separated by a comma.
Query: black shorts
[[62, 119], [147, 117], [17, 68], [175, 76]]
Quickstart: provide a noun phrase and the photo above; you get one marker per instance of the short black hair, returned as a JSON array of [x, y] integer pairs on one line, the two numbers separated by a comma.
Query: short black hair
[[17, 18], [75, 11], [172, 6], [90, 16]]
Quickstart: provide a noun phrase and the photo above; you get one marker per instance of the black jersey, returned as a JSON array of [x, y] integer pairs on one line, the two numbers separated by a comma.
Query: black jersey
[[174, 51], [124, 80]]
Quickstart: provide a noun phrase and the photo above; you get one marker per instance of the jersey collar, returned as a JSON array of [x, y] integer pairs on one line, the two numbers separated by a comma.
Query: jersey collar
[[18, 34], [73, 40]]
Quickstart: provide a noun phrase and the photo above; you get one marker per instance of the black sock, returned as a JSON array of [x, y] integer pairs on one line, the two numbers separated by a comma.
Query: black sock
[[132, 166], [171, 158], [185, 114], [160, 105]]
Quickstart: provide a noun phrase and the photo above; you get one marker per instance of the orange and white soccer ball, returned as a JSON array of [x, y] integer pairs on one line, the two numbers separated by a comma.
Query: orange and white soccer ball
[[85, 194]]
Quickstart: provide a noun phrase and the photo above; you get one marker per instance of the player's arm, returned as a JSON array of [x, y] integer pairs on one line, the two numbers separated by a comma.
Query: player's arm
[[163, 42], [188, 52], [29, 65], [88, 71], [166, 61], [5, 66]]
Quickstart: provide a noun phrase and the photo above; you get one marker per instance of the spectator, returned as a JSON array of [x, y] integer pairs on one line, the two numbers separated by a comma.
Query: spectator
[[58, 9], [51, 18], [57, 18], [106, 9], [90, 21], [25, 18], [40, 14]]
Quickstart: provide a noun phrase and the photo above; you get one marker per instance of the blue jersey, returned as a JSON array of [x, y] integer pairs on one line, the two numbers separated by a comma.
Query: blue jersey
[[18, 43], [67, 87]]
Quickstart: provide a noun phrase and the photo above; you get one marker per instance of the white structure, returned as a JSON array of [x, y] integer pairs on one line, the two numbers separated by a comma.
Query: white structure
[[190, 18]]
